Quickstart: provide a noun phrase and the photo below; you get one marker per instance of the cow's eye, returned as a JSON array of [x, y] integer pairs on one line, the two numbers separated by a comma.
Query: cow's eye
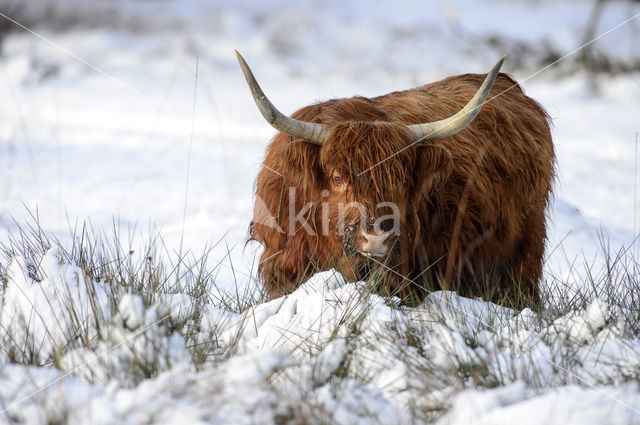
[[337, 180]]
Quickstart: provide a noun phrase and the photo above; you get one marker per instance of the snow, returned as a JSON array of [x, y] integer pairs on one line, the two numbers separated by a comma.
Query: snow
[[46, 309], [334, 352], [567, 405], [134, 119], [131, 308]]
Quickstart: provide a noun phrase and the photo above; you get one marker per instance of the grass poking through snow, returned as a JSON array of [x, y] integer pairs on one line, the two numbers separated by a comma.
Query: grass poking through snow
[[330, 352]]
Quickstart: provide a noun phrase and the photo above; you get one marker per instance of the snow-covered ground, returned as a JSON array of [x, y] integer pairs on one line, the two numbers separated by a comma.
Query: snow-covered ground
[[328, 353], [134, 115]]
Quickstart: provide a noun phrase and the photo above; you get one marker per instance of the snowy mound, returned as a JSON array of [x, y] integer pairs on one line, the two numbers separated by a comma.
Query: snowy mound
[[331, 352]]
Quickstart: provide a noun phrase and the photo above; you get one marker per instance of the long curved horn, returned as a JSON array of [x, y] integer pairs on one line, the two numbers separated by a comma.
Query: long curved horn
[[312, 132], [455, 123]]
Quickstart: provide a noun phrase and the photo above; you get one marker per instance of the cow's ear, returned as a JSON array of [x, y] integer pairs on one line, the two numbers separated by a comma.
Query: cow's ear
[[303, 168], [433, 167]]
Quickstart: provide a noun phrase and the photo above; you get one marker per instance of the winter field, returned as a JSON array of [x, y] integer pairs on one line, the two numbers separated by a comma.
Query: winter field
[[129, 147]]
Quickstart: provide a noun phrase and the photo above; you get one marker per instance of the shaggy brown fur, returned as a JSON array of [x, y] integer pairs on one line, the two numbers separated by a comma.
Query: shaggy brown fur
[[472, 204]]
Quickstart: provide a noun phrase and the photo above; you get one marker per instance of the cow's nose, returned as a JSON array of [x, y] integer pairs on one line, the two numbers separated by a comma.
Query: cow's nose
[[373, 245]]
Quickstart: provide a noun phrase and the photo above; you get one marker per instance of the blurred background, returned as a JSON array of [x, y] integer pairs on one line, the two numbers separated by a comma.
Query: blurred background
[[134, 114]]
